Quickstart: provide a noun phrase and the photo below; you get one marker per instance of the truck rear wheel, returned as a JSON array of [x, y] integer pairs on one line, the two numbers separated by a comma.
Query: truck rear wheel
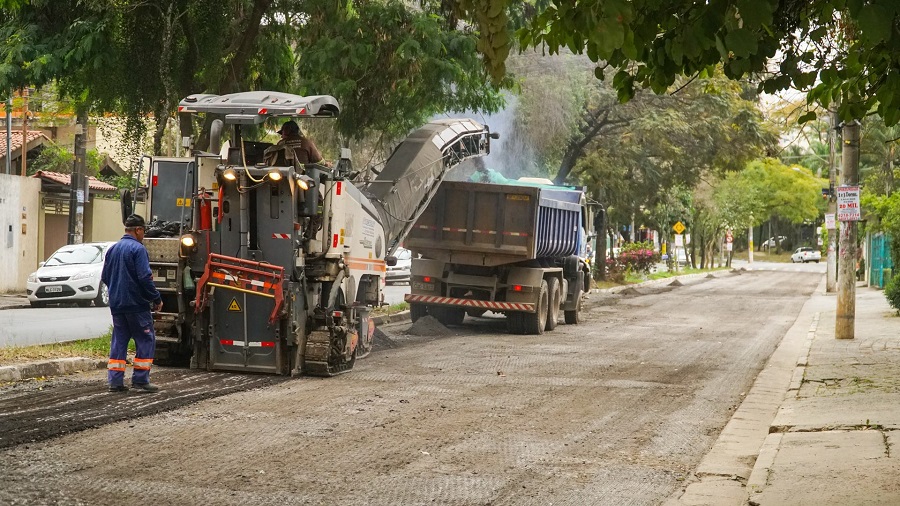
[[535, 322], [574, 316], [514, 323], [553, 308], [417, 311], [449, 315]]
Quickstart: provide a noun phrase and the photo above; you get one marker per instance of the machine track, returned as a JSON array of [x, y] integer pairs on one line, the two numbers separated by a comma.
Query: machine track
[[324, 356]]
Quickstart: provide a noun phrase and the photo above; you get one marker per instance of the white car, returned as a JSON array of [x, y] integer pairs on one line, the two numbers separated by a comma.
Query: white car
[[401, 271], [72, 274], [806, 254]]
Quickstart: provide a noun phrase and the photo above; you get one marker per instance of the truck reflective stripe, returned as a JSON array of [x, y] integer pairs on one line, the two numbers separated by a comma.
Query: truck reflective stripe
[[474, 231], [482, 304], [281, 236], [252, 344]]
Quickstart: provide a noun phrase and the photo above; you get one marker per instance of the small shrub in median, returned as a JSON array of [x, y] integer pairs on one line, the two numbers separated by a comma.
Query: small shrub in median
[[638, 257], [892, 292]]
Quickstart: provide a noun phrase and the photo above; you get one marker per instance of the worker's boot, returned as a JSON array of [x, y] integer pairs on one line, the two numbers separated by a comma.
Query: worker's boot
[[148, 388]]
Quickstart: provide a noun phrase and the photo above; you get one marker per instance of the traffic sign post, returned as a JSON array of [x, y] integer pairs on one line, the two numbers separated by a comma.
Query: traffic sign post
[[678, 227]]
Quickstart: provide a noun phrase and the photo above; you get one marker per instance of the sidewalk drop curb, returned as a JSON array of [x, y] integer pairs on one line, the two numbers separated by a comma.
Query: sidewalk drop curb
[[55, 367]]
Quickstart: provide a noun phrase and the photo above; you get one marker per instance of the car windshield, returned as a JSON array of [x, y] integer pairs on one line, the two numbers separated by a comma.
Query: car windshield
[[404, 254], [76, 255]]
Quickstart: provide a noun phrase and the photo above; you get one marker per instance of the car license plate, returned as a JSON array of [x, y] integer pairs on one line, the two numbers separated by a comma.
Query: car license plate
[[53, 289], [423, 286]]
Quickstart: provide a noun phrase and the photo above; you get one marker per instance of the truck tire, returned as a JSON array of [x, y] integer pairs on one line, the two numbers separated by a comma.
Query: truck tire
[[553, 309], [535, 322], [573, 316], [514, 323], [417, 311], [449, 315]]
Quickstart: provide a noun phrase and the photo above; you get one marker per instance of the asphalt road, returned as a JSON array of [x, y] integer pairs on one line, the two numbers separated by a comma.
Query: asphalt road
[[54, 324], [618, 410]]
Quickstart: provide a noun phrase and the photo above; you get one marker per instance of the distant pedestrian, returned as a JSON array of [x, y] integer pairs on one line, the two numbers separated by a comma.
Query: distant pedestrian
[[127, 274]]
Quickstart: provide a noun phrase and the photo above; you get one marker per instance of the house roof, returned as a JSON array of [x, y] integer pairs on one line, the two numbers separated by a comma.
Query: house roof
[[64, 179], [16, 140]]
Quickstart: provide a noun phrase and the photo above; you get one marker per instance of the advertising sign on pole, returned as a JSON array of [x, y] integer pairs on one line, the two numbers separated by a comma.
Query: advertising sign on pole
[[829, 221], [848, 203]]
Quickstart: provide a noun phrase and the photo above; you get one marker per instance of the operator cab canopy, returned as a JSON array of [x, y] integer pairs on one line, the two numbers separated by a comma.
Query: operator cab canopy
[[254, 107]]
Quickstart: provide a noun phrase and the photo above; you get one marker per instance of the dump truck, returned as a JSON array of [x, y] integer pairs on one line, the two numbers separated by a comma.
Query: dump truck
[[276, 268], [514, 248]]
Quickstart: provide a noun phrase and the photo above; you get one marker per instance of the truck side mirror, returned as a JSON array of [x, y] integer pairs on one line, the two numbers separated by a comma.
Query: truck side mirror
[[127, 204], [390, 260]]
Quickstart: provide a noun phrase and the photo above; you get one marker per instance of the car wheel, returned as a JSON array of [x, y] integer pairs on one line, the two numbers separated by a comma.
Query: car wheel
[[102, 299]]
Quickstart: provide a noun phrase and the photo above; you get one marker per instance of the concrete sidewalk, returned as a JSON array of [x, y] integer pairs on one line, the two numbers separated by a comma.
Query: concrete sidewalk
[[13, 300], [820, 425]]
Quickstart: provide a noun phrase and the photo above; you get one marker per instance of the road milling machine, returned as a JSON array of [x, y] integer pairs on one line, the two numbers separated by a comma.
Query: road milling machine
[[276, 268]]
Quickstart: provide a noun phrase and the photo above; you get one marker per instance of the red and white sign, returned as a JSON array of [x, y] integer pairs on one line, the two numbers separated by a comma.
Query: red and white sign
[[848, 203]]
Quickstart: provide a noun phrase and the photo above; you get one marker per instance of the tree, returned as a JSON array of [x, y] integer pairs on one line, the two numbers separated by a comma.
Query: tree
[[391, 63], [838, 50]]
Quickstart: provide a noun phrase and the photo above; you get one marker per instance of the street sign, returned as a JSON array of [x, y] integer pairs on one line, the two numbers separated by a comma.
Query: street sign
[[678, 227], [848, 203], [679, 239], [729, 238], [829, 221]]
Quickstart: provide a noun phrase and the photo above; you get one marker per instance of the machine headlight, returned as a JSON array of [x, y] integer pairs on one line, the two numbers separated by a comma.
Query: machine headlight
[[83, 275], [275, 175], [188, 245], [229, 174]]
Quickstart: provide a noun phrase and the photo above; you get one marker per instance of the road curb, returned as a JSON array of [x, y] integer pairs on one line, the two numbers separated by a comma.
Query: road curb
[[55, 367]]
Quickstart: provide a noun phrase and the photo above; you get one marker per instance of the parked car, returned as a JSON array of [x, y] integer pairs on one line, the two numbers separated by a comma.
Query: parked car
[[400, 273], [806, 254], [71, 274], [773, 242]]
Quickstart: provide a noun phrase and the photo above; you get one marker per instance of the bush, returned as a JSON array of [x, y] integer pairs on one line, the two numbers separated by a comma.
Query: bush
[[615, 270], [892, 292], [638, 257]]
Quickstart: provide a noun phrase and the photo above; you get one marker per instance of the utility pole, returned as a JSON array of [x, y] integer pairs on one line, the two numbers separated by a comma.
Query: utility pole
[[9, 132], [78, 180], [845, 320], [25, 132], [831, 252]]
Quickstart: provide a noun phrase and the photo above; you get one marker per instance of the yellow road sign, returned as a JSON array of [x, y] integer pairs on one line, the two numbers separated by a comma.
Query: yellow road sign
[[678, 227], [234, 306]]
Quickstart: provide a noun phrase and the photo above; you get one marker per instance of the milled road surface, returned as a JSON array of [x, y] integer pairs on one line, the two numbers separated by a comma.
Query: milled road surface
[[618, 410]]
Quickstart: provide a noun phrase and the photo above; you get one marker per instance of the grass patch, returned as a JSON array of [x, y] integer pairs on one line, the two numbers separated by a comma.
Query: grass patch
[[91, 348], [393, 308]]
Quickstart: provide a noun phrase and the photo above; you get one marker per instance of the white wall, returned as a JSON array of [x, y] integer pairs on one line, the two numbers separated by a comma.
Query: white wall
[[19, 218]]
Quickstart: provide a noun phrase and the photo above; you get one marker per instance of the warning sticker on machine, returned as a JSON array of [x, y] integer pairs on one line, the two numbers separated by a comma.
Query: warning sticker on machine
[[234, 306]]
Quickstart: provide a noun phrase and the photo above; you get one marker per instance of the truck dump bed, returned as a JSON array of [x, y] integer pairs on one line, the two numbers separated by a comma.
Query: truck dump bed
[[496, 224]]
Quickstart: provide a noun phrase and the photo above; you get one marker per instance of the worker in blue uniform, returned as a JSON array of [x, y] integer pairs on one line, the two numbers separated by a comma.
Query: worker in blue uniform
[[132, 294]]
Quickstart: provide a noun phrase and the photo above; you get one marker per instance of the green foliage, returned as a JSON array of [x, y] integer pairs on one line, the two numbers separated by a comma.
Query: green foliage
[[892, 292], [841, 51], [57, 158], [391, 67], [774, 189]]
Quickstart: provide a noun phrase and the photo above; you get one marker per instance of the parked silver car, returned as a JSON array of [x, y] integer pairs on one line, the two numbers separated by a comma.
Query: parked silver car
[[400, 272], [806, 254], [71, 274]]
